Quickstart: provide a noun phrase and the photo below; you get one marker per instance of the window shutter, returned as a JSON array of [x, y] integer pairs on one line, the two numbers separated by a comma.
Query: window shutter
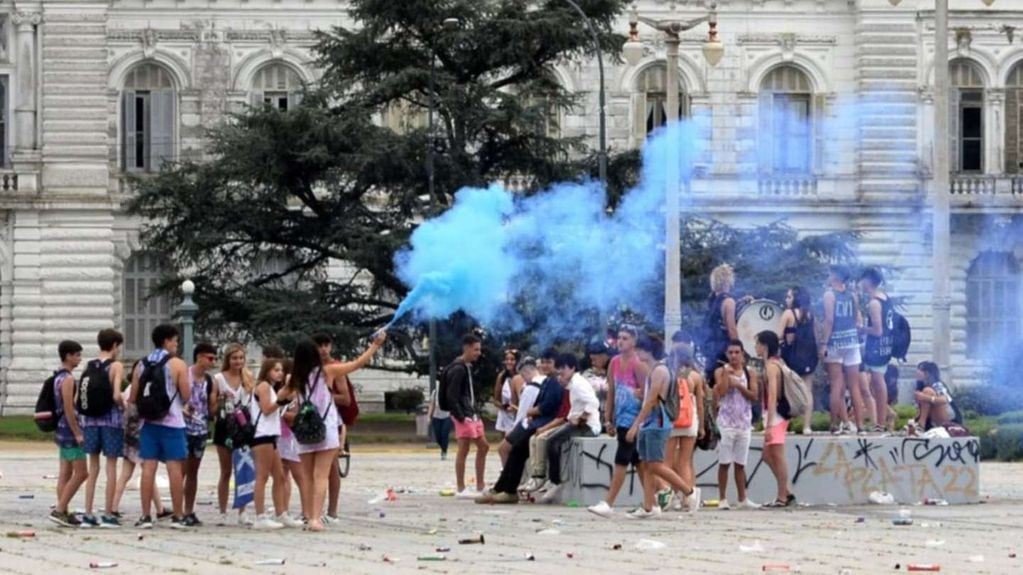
[[4, 123], [128, 130], [1012, 144], [256, 99], [638, 119], [820, 119], [294, 99], [765, 134], [953, 130], [161, 134]]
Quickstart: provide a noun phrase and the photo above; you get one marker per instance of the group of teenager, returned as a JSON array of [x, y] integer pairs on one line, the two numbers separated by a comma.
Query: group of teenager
[[287, 419], [627, 389]]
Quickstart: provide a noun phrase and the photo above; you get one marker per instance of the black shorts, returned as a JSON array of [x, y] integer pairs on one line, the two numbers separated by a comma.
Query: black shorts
[[265, 440], [220, 433], [626, 454], [196, 445]]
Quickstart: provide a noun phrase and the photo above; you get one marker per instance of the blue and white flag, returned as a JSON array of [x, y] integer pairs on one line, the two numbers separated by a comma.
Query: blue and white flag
[[244, 477]]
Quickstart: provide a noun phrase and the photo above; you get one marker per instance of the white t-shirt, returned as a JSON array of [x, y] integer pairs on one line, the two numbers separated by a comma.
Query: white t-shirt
[[438, 413], [583, 399], [267, 425]]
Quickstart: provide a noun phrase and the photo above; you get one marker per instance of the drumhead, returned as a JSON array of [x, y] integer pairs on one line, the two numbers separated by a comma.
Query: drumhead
[[757, 316]]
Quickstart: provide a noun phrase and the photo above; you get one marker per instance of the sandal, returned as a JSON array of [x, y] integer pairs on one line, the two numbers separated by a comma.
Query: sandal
[[775, 504]]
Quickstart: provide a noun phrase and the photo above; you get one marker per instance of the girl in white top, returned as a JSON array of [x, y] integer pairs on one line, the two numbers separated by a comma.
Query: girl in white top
[[266, 415], [230, 389], [506, 393], [311, 379]]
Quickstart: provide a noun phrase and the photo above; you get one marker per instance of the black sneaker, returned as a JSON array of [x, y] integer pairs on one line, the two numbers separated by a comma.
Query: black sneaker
[[116, 515], [144, 522], [192, 521], [178, 523], [64, 519], [164, 514], [89, 521]]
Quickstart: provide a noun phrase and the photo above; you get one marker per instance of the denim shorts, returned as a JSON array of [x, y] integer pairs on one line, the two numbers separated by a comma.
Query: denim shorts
[[103, 439], [652, 443], [162, 443]]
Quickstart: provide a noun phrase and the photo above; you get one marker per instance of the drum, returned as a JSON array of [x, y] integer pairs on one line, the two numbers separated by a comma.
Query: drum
[[757, 316]]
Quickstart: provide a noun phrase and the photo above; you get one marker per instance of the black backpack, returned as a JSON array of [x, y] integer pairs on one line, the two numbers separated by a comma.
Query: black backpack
[[94, 394], [47, 414], [442, 385], [801, 355], [153, 401], [902, 336], [309, 426]]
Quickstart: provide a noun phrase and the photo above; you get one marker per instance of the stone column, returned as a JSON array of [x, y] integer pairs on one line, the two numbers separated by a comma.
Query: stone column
[[25, 23], [994, 121]]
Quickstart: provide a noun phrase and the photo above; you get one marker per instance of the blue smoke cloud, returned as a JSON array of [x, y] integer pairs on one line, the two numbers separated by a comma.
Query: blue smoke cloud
[[545, 260]]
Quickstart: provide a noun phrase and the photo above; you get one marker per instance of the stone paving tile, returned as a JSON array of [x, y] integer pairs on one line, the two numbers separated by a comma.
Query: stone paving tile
[[563, 540]]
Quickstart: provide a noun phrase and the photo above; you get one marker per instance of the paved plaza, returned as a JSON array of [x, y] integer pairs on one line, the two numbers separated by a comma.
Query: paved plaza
[[390, 537]]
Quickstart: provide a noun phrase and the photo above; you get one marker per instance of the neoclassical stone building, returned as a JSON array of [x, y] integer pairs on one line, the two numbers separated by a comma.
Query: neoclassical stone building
[[820, 112]]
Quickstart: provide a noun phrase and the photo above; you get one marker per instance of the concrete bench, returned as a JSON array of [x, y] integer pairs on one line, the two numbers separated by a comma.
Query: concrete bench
[[823, 470]]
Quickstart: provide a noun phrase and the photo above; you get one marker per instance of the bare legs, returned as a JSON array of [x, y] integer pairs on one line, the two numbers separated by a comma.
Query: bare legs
[[315, 468], [774, 457], [740, 481]]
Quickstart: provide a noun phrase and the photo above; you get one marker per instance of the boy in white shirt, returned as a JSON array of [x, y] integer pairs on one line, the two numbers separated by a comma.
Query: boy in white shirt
[[583, 420]]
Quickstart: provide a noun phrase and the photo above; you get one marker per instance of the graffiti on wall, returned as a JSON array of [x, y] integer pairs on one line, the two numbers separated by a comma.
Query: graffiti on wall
[[821, 469]]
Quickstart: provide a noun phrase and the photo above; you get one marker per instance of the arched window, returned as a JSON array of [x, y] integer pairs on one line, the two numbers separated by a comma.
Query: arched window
[[1014, 120], [789, 137], [141, 309], [277, 85], [651, 105], [992, 302], [148, 118], [966, 117]]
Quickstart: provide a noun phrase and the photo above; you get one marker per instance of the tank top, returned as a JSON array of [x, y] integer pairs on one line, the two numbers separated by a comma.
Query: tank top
[[626, 405], [267, 425], [175, 416], [505, 420], [321, 398], [878, 349], [734, 410], [843, 331], [230, 397], [657, 418], [196, 422]]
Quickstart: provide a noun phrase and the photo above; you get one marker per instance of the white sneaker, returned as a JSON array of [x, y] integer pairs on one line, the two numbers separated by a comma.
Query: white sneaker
[[264, 522], [552, 494], [244, 519], [330, 520], [692, 502], [534, 484], [222, 520], [723, 505], [467, 494], [807, 431], [747, 504], [602, 509], [288, 521], [640, 513], [851, 429], [677, 501]]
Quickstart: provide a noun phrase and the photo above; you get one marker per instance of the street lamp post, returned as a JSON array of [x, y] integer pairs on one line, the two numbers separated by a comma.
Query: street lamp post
[[941, 242], [187, 311], [431, 146], [712, 52], [602, 107]]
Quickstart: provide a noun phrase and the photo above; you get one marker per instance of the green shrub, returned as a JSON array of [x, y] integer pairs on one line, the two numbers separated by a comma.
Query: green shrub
[[406, 399], [988, 399], [1010, 418], [1008, 440], [982, 428]]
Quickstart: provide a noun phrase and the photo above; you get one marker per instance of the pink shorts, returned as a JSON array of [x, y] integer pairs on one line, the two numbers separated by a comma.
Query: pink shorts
[[468, 429], [775, 435]]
